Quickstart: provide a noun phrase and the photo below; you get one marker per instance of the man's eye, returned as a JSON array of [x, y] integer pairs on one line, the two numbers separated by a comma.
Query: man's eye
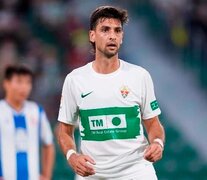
[[104, 30], [118, 30]]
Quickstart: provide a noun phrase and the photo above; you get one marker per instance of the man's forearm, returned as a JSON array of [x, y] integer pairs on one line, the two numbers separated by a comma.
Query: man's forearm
[[48, 153], [78, 162], [157, 131], [154, 129], [65, 137], [156, 137]]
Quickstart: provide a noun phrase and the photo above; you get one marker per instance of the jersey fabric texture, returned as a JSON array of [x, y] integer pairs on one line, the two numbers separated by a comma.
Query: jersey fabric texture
[[110, 108], [20, 136], [146, 172]]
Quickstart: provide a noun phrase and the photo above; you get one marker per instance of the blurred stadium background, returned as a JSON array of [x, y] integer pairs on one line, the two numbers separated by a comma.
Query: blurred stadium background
[[167, 37]]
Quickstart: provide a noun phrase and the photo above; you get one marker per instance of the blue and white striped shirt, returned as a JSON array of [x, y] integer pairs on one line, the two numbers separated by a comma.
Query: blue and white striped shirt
[[20, 137]]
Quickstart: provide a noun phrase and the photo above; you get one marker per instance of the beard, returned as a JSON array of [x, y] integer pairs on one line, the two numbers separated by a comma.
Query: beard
[[109, 53]]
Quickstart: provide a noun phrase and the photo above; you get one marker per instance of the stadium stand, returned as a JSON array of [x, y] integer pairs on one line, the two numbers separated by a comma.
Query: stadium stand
[[51, 37]]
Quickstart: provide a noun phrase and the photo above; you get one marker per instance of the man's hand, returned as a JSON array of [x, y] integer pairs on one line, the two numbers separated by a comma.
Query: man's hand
[[153, 152], [82, 164]]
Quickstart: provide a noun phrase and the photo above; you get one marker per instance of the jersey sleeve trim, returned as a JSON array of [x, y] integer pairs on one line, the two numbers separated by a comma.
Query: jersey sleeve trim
[[68, 122], [151, 115]]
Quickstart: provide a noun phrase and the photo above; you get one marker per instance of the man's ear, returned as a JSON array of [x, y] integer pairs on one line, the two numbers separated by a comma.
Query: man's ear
[[92, 36]]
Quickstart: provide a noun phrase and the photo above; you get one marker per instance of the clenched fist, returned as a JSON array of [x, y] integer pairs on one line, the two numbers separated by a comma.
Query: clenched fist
[[82, 164]]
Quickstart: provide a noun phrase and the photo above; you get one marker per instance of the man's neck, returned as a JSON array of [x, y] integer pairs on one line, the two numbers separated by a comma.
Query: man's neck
[[16, 105], [105, 65]]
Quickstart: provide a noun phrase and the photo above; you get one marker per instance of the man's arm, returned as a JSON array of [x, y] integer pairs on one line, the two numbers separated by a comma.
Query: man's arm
[[79, 162], [154, 130], [48, 153]]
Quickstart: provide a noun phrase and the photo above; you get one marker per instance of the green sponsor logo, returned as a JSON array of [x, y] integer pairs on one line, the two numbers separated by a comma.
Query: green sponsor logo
[[84, 95], [154, 105], [110, 123]]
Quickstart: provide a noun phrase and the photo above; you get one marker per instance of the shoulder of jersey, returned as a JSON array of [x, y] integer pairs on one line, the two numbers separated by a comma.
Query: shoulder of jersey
[[28, 104], [1, 103], [31, 104], [79, 71], [133, 67]]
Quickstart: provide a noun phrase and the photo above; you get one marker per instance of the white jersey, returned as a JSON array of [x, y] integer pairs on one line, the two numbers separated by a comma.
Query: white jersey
[[20, 137], [110, 108]]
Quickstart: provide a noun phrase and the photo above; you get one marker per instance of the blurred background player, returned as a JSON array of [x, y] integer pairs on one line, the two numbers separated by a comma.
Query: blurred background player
[[112, 99], [23, 127]]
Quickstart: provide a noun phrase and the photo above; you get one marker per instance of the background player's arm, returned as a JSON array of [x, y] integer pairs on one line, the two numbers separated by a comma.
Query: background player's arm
[[79, 162], [48, 152], [154, 130]]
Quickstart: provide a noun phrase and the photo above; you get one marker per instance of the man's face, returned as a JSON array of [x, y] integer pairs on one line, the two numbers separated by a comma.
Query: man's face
[[107, 36], [18, 88]]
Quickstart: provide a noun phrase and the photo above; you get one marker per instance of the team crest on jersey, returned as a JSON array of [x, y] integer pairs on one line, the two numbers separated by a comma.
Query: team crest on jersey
[[124, 91]]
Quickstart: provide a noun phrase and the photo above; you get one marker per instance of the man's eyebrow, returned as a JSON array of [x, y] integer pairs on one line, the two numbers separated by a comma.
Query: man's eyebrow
[[118, 27], [105, 26]]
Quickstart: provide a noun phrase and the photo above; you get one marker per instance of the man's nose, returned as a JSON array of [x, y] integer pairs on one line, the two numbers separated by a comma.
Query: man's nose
[[112, 36]]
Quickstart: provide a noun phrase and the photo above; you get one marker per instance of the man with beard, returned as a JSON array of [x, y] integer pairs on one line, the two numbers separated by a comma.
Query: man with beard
[[112, 99]]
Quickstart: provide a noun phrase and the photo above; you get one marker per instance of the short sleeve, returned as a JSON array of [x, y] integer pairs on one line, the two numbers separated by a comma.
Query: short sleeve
[[149, 105], [68, 105], [46, 132]]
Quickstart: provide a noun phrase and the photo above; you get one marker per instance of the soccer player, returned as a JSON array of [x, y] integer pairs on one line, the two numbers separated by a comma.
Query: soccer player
[[23, 126], [112, 99]]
